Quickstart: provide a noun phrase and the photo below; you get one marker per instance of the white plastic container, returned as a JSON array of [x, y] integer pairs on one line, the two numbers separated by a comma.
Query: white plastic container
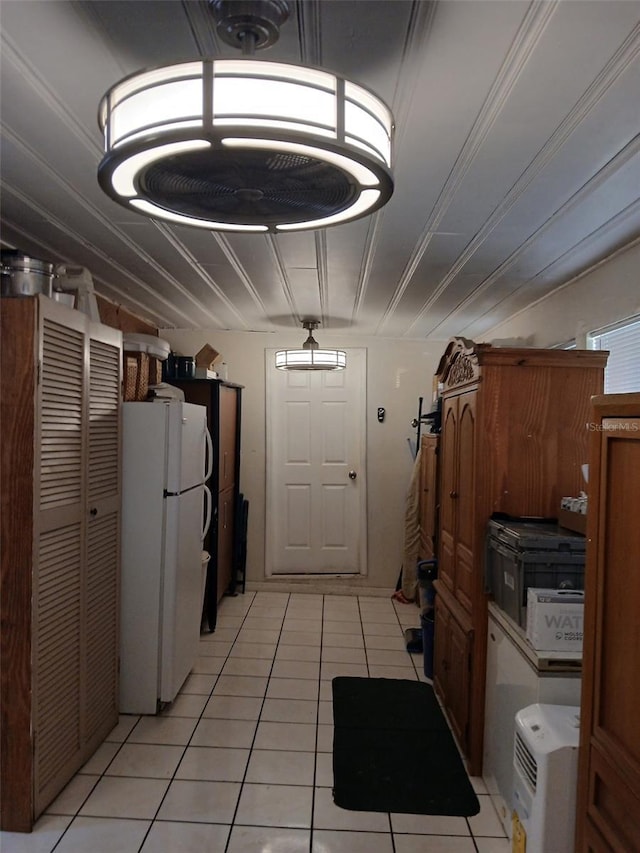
[[555, 619]]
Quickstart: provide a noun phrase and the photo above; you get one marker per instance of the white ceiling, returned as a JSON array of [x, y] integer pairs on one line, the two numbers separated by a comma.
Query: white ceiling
[[517, 161]]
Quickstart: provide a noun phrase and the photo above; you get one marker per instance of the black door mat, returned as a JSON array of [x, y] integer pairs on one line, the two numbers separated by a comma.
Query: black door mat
[[393, 751]]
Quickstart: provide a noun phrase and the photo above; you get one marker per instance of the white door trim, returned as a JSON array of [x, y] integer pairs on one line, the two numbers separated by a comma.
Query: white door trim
[[357, 364]]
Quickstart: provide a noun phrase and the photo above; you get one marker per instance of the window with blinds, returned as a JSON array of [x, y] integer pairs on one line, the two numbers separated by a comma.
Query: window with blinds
[[622, 373]]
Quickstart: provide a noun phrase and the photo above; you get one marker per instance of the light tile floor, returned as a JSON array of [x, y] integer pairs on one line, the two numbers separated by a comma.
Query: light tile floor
[[241, 761]]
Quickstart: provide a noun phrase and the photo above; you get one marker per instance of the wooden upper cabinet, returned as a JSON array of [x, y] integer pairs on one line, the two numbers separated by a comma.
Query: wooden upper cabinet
[[60, 557], [608, 813], [513, 441], [463, 498], [457, 496], [448, 484]]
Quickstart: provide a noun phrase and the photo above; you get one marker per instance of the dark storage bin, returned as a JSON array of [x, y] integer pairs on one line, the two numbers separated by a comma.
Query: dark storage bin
[[428, 625], [427, 572], [524, 554]]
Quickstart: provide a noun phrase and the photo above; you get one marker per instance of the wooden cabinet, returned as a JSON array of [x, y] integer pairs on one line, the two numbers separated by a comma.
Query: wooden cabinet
[[60, 399], [428, 495], [223, 401], [608, 812], [513, 439], [453, 647]]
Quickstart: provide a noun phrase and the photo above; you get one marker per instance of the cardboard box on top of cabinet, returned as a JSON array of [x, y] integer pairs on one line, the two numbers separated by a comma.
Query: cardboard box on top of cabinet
[[207, 357], [555, 619]]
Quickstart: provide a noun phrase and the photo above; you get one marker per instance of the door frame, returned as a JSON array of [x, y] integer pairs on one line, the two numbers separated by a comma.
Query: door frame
[[356, 355]]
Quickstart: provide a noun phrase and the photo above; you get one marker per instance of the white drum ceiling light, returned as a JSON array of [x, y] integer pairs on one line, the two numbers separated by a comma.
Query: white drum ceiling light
[[311, 357], [245, 144]]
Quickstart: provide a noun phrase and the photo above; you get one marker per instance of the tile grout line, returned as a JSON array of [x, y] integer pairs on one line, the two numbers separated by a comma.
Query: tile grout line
[[364, 642], [255, 734], [315, 753], [104, 774], [245, 622], [198, 720]]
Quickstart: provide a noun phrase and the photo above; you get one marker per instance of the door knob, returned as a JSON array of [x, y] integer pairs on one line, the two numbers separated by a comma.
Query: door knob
[[352, 475]]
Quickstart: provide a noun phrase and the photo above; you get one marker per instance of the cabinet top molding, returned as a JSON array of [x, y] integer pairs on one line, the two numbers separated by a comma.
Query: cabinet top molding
[[460, 363], [462, 359]]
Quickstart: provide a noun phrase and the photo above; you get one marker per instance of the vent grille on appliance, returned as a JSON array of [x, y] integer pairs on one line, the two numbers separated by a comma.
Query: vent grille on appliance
[[526, 763]]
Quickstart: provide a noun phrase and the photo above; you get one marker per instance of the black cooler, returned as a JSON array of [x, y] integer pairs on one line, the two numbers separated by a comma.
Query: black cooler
[[523, 554]]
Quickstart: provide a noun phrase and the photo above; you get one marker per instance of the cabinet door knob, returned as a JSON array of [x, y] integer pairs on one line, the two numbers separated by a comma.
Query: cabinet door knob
[[453, 494], [93, 511], [352, 475]]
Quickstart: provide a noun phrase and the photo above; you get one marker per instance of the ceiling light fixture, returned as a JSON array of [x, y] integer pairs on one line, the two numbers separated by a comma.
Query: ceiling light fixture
[[246, 145], [311, 357]]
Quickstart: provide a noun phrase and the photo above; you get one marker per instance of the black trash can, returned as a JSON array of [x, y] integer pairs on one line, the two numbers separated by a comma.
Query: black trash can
[[428, 623], [427, 571]]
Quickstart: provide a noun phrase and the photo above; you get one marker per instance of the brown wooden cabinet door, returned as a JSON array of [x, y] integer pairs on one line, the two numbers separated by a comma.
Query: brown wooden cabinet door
[[448, 485], [428, 496], [465, 500], [609, 791], [457, 496], [60, 559], [225, 540], [440, 648], [227, 441], [451, 674], [459, 658], [102, 638], [59, 567]]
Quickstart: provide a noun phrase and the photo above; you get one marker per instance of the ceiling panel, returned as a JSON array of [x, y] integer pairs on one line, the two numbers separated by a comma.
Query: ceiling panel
[[516, 160]]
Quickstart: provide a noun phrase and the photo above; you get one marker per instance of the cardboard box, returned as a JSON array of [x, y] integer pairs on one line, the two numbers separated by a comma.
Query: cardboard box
[[555, 619], [207, 357], [205, 373]]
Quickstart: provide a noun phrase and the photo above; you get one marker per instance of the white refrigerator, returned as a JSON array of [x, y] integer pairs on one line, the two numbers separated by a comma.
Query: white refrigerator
[[166, 458]]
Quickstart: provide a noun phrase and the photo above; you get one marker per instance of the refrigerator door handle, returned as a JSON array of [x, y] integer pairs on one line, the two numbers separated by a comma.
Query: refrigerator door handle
[[209, 463], [209, 504]]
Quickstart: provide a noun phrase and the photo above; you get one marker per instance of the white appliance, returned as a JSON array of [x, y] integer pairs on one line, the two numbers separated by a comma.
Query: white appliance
[[545, 775], [166, 458], [517, 676]]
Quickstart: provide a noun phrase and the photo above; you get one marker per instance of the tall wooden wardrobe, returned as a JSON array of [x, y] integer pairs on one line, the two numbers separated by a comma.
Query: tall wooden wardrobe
[[608, 813], [60, 453], [513, 440], [223, 401]]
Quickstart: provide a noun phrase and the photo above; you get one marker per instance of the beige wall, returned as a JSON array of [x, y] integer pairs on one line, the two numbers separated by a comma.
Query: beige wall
[[398, 373], [606, 294]]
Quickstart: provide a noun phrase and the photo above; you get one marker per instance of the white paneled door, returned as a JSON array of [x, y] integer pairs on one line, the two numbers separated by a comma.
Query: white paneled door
[[316, 472]]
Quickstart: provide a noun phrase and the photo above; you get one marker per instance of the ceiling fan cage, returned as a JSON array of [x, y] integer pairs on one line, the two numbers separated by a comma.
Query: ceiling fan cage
[[246, 144]]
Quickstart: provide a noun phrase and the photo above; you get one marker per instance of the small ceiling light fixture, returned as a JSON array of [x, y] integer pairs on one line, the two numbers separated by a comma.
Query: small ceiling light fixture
[[311, 357], [246, 145]]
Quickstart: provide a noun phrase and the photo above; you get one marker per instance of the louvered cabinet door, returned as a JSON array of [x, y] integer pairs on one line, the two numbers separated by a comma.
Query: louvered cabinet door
[[58, 560], [103, 538], [60, 400]]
